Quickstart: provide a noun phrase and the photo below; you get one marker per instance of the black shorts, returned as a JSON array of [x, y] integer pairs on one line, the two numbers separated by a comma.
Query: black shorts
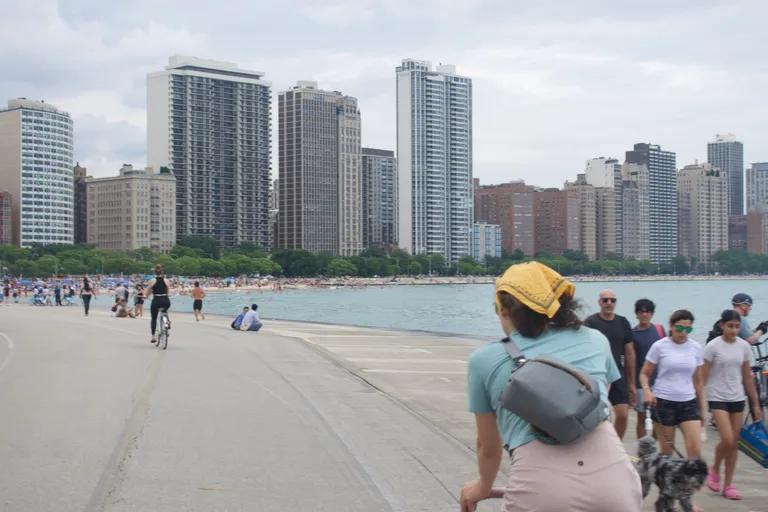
[[671, 414], [197, 305], [619, 394], [731, 407]]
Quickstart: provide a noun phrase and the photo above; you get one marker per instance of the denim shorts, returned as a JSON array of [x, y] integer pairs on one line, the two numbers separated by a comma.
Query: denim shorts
[[671, 414]]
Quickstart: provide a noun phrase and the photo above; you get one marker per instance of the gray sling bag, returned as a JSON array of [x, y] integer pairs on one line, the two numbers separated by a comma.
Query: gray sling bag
[[555, 397]]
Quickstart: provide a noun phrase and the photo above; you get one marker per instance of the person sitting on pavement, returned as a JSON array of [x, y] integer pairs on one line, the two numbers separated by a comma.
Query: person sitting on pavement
[[537, 311], [239, 320], [123, 311], [251, 320]]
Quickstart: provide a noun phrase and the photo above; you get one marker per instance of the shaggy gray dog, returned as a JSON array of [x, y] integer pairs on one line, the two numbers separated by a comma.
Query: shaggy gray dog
[[676, 478]]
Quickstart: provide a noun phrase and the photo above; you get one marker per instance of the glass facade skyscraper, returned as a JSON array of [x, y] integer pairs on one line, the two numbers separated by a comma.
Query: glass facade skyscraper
[[727, 154], [210, 123], [36, 167], [434, 158], [379, 197]]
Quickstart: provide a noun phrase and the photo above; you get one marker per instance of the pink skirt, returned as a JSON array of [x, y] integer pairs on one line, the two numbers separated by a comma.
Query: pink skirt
[[593, 474]]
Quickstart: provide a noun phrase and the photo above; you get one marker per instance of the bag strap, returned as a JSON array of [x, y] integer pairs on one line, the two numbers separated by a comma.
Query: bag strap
[[517, 357], [660, 330]]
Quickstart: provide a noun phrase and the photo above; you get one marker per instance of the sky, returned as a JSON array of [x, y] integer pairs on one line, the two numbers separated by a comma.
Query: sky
[[556, 82]]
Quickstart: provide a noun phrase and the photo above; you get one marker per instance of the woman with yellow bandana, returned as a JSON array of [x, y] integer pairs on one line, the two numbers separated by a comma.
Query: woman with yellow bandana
[[536, 309]]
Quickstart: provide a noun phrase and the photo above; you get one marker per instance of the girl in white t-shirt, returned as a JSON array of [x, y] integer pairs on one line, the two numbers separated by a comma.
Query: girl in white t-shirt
[[727, 373]]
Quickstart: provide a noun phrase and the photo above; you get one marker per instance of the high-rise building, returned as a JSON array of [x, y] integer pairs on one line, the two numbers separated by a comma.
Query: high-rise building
[[487, 241], [36, 148], [605, 203], [6, 218], [135, 209], [588, 214], [210, 123], [379, 197], [636, 215], [320, 171], [662, 172], [702, 205], [606, 173], [81, 204], [737, 232], [434, 153], [274, 210], [557, 214], [727, 154], [757, 224], [757, 184], [509, 205]]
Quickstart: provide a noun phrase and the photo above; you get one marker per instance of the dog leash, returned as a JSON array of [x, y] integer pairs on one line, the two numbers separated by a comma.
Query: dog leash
[[655, 416]]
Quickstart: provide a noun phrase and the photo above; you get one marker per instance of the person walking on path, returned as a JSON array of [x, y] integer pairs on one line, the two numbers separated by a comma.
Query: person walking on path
[[645, 335], [619, 333], [537, 311], [726, 373], [197, 306], [86, 294]]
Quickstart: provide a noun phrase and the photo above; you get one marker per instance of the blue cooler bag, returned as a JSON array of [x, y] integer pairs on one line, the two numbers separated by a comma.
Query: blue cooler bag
[[754, 442]]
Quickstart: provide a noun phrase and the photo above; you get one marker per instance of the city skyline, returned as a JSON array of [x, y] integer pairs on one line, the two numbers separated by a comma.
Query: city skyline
[[564, 96]]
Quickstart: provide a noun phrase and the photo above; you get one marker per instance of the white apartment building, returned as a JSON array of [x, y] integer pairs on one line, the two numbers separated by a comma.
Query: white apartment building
[[36, 167], [703, 211], [210, 123], [434, 153], [135, 209]]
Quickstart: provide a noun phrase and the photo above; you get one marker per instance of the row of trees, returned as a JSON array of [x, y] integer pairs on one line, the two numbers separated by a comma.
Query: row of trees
[[200, 256]]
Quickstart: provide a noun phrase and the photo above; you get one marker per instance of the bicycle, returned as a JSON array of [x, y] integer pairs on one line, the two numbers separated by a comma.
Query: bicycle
[[760, 374], [164, 325]]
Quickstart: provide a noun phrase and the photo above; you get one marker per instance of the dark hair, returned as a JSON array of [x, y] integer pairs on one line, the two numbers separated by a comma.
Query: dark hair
[[86, 284], [197, 283], [254, 307], [158, 270], [728, 314], [531, 324], [645, 305], [680, 314]]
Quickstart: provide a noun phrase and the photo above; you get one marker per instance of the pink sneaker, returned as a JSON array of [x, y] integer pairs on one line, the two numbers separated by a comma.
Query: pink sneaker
[[731, 493], [713, 481]]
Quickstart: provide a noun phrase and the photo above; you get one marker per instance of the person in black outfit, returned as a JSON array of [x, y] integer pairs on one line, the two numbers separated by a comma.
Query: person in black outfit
[[159, 288], [86, 292], [619, 333]]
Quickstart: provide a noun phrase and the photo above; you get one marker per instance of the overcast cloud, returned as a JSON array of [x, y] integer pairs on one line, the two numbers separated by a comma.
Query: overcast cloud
[[555, 81]]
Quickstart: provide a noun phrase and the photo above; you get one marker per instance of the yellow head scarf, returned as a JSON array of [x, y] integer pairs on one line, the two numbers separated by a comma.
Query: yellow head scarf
[[535, 285]]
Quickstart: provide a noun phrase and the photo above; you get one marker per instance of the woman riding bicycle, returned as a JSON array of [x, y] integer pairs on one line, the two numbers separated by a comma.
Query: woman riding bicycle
[[157, 288]]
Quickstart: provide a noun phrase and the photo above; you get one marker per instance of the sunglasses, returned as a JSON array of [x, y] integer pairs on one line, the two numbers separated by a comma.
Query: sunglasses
[[680, 328], [607, 300]]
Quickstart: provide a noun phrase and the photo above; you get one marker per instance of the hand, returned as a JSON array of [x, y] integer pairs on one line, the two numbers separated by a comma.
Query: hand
[[757, 414], [632, 394], [763, 327], [472, 493], [648, 398]]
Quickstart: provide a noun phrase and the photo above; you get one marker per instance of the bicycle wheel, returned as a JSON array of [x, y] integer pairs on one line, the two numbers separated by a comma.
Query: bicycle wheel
[[162, 340]]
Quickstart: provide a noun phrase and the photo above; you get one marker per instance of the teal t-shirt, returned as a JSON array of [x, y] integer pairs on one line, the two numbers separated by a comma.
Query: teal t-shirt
[[490, 367]]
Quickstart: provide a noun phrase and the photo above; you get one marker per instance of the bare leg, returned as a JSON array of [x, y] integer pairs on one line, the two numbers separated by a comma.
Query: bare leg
[[692, 434], [731, 451], [723, 423], [640, 427], [664, 446], [621, 413]]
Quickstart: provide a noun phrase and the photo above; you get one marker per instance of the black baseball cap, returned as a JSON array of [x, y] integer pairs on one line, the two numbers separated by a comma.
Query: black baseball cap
[[741, 298]]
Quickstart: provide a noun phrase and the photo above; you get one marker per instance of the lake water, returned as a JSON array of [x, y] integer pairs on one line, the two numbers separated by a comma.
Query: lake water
[[468, 309]]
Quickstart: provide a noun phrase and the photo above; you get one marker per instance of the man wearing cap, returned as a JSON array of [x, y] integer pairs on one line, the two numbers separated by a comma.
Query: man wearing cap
[[742, 304]]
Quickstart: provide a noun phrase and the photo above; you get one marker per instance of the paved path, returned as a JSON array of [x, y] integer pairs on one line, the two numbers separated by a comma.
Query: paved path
[[295, 417]]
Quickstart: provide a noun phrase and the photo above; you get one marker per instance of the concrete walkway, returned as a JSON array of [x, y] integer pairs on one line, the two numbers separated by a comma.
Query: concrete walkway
[[295, 417]]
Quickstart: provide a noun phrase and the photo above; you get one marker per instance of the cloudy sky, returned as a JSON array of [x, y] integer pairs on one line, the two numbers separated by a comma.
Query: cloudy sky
[[555, 81]]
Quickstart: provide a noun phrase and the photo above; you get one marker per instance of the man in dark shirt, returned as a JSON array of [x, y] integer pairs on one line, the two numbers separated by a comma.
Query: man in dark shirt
[[645, 334], [619, 333]]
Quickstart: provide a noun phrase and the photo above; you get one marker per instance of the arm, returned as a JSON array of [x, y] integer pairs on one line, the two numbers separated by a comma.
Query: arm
[[645, 379], [705, 371], [749, 385], [148, 289], [698, 384], [488, 450], [630, 364]]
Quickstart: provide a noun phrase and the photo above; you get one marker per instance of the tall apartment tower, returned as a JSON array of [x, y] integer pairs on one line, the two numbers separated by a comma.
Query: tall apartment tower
[[557, 214], [434, 153], [36, 148], [757, 184], [636, 212], [6, 218], [210, 123], [727, 154], [135, 209], [81, 204], [588, 214], [379, 197], [606, 173], [703, 201], [320, 171], [662, 179], [509, 205]]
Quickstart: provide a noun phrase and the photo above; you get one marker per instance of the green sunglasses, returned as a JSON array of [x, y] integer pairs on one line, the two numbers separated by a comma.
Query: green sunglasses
[[680, 328]]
